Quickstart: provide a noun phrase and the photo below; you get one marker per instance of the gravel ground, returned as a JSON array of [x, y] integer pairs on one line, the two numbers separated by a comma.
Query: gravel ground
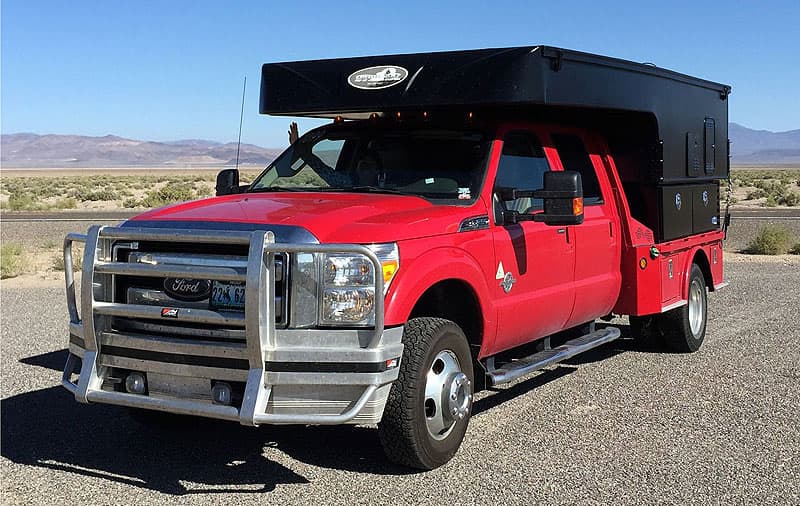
[[618, 425]]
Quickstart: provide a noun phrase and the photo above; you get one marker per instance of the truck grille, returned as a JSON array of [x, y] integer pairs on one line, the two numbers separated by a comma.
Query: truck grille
[[190, 293]]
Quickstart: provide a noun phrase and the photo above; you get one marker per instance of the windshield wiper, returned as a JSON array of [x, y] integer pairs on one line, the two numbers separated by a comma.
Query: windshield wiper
[[377, 189], [277, 189]]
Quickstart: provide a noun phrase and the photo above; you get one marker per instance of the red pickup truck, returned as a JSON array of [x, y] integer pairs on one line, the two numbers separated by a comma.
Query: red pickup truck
[[390, 263]]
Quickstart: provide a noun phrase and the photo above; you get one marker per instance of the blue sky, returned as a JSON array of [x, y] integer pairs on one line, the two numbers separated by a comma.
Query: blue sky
[[173, 69]]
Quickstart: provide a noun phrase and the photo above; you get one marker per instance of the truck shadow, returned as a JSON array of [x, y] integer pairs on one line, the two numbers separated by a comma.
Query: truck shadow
[[47, 428]]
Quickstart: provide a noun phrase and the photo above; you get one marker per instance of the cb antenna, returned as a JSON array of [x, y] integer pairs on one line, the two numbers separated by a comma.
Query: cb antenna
[[241, 118]]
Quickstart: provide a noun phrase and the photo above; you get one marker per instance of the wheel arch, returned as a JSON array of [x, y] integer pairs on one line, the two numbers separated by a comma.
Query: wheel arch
[[700, 258], [455, 300], [456, 291]]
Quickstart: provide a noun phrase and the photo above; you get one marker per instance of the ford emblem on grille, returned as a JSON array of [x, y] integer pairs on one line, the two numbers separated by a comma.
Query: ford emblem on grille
[[187, 289]]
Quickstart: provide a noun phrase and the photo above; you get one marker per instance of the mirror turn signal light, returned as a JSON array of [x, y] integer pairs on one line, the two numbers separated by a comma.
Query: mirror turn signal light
[[577, 206]]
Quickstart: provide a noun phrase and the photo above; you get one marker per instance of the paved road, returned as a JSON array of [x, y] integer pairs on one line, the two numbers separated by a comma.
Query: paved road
[[620, 425]]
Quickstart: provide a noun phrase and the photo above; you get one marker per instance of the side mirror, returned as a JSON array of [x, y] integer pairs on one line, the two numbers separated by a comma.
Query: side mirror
[[563, 198], [227, 182]]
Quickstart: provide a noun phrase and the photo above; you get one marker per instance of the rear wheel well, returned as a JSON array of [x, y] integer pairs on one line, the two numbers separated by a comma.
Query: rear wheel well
[[701, 260], [454, 300]]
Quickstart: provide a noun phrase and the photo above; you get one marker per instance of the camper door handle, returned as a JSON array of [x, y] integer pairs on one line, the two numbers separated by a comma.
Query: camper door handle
[[562, 230]]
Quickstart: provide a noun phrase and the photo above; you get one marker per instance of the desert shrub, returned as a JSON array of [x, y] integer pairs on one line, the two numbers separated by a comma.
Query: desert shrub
[[790, 199], [771, 240], [758, 193], [94, 195], [64, 203], [795, 249], [58, 262], [168, 194], [12, 263], [21, 202]]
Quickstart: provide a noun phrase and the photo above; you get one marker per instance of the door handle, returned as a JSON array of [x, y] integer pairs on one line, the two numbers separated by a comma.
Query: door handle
[[562, 230]]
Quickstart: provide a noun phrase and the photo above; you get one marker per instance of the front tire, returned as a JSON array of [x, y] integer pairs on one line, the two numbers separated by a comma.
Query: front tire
[[429, 406]]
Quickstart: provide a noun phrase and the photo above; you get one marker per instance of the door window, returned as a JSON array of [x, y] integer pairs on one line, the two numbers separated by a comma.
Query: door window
[[522, 166], [574, 156]]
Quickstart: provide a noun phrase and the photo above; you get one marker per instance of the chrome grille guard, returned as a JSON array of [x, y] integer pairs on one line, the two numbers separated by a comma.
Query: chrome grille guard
[[258, 320]]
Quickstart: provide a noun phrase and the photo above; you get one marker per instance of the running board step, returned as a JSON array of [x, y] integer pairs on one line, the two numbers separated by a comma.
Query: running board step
[[518, 368]]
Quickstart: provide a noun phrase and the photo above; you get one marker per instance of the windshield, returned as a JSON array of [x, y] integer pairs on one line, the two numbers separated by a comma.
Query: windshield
[[423, 160]]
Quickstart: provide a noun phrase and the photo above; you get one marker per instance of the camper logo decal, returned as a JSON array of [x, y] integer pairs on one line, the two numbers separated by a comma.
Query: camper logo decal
[[372, 78]]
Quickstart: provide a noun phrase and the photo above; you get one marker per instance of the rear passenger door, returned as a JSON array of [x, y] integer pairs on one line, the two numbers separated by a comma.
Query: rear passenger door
[[533, 282], [597, 240]]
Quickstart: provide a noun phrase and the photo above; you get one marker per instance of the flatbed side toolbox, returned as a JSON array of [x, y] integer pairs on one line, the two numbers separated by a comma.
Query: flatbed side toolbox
[[687, 209]]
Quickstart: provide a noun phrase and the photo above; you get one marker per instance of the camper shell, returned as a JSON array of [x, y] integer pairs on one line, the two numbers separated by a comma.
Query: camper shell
[[668, 132]]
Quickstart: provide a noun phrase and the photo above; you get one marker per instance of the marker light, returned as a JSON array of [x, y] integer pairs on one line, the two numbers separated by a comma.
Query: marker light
[[136, 383], [577, 206], [643, 263]]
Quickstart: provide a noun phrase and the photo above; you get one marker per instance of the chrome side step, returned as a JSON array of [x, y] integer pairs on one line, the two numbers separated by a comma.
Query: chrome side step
[[506, 373]]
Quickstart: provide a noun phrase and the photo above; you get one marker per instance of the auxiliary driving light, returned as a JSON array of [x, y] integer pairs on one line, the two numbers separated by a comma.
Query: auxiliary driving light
[[136, 383], [221, 393]]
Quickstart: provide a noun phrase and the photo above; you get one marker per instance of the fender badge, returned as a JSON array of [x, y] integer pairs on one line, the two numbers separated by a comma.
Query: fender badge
[[169, 312], [508, 282], [500, 272], [678, 201]]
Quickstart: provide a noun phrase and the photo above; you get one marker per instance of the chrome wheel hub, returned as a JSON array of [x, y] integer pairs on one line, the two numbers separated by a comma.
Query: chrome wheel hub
[[448, 395], [696, 308]]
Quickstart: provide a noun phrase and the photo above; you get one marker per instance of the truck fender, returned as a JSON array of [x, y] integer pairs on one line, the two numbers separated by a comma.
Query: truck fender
[[697, 255], [439, 264]]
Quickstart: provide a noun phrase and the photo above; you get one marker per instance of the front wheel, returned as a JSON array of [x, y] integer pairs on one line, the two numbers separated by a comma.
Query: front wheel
[[429, 405]]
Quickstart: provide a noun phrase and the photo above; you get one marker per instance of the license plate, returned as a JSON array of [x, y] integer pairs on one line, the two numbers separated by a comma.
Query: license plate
[[225, 295]]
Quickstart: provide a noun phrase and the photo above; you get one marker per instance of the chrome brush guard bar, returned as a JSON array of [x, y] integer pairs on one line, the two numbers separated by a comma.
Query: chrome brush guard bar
[[258, 318]]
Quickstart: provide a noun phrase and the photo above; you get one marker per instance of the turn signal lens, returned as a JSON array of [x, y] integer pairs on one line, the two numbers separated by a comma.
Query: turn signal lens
[[577, 206], [389, 257], [643, 263], [389, 268]]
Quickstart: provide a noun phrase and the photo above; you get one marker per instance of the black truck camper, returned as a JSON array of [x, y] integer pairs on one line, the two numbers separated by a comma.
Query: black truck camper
[[668, 132]]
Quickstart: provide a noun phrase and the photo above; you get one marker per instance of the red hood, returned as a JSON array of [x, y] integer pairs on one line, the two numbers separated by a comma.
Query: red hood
[[331, 217]]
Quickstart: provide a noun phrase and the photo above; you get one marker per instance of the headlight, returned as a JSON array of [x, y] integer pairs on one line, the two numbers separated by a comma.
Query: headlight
[[348, 285]]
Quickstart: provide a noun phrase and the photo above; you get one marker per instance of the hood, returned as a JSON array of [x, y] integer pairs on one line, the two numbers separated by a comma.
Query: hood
[[330, 217]]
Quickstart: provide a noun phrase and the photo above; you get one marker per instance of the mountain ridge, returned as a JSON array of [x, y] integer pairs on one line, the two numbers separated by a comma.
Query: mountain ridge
[[30, 150]]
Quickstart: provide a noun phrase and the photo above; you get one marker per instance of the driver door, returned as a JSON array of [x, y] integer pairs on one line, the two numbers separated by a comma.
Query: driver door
[[534, 282]]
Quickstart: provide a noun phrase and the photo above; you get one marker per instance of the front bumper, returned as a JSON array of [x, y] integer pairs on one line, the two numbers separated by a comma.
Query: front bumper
[[284, 376]]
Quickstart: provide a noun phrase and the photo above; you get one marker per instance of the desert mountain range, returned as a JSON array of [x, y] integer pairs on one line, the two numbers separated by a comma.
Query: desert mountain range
[[748, 147], [65, 151]]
